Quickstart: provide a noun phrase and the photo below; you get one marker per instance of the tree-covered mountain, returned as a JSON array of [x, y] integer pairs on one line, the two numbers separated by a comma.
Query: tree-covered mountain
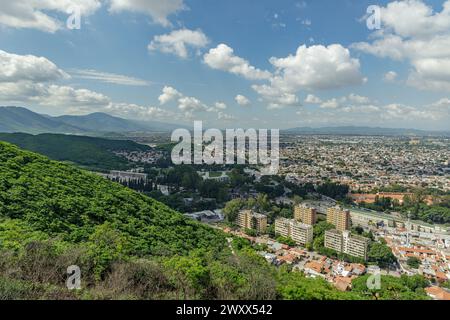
[[102, 122], [41, 199], [18, 119], [90, 152], [62, 200]]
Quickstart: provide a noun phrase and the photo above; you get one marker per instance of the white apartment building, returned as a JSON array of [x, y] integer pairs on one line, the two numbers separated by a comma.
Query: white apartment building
[[299, 232], [345, 242]]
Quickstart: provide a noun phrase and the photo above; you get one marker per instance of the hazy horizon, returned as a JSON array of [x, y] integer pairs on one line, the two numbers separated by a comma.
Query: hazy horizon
[[187, 125]]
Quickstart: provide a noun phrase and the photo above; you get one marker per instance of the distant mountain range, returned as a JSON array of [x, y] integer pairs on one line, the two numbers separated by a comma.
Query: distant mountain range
[[18, 119], [365, 131]]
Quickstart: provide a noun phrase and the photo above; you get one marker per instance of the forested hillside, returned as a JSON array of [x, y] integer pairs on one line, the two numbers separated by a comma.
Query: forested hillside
[[90, 152], [17, 119], [128, 246]]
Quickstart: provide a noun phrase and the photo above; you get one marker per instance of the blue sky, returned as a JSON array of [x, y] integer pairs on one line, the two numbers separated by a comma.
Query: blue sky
[[179, 61]]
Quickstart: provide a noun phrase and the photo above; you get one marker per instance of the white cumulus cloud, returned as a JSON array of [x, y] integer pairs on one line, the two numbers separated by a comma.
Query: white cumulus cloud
[[316, 67], [330, 104], [15, 67], [39, 15], [158, 10], [190, 106], [51, 95], [390, 76], [277, 98], [169, 94], [223, 58], [413, 32], [357, 99], [178, 42], [310, 68], [242, 100], [220, 105], [312, 99]]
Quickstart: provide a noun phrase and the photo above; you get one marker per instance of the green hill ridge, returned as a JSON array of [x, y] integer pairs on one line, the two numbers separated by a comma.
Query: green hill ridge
[[89, 152], [20, 119], [61, 200]]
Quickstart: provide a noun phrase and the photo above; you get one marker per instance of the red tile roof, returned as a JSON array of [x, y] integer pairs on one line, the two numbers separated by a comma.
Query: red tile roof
[[438, 293]]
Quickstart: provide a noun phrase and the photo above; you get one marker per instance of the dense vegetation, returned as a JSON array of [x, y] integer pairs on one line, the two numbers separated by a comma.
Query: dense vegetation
[[17, 119], [185, 183], [334, 190], [415, 206], [439, 212], [128, 246], [414, 262], [392, 288], [94, 153], [65, 202]]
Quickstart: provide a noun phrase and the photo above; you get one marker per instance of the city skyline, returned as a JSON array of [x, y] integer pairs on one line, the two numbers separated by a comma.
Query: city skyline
[[230, 64]]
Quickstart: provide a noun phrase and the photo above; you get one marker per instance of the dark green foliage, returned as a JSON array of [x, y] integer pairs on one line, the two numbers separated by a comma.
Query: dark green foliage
[[446, 284], [392, 288], [333, 190], [321, 227], [60, 200], [186, 176], [319, 234], [294, 286], [381, 254], [213, 189], [435, 214], [250, 232], [271, 191], [413, 262], [94, 153], [416, 207], [232, 208], [285, 240], [381, 204]]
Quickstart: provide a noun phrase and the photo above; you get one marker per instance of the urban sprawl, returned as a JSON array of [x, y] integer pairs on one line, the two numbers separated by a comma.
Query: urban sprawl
[[374, 169]]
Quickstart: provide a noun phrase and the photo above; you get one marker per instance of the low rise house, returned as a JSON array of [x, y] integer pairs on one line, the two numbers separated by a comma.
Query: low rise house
[[438, 293], [343, 283]]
